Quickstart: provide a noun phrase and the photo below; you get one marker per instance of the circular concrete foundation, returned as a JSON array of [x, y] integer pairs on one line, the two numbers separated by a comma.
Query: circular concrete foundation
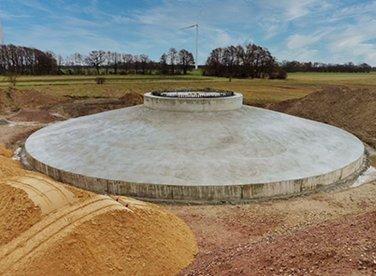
[[195, 149]]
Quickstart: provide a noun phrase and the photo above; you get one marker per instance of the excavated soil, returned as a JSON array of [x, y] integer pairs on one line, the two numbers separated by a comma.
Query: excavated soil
[[325, 233], [13, 99], [33, 115], [351, 109], [14, 135], [22, 105], [140, 242], [50, 228], [82, 107], [17, 211]]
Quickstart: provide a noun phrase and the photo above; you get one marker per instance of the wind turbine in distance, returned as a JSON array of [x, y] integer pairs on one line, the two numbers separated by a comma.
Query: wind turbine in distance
[[1, 34], [190, 27]]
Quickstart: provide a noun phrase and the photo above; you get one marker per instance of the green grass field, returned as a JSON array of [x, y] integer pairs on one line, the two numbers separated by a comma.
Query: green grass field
[[256, 91]]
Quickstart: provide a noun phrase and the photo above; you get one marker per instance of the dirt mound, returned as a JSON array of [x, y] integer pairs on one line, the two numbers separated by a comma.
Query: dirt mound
[[351, 109], [82, 107], [45, 193], [17, 211], [47, 227], [33, 115], [8, 167], [145, 241], [14, 136], [13, 99], [4, 152], [132, 99]]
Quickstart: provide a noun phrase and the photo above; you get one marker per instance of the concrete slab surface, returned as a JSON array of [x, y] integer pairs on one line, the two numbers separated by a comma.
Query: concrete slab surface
[[235, 154]]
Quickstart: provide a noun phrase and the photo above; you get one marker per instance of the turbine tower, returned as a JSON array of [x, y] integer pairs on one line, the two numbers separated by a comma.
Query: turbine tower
[[1, 33], [190, 27]]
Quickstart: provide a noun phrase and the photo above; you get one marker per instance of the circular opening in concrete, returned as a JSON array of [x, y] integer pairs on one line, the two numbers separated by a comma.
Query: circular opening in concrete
[[193, 101], [193, 94]]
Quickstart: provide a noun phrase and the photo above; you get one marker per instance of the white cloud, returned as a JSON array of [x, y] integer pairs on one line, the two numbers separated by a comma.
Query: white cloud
[[302, 54], [298, 41], [66, 40], [319, 30], [353, 11], [297, 8], [350, 37], [356, 41]]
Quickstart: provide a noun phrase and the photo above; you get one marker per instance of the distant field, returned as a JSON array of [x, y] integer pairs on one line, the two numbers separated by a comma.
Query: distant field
[[256, 91]]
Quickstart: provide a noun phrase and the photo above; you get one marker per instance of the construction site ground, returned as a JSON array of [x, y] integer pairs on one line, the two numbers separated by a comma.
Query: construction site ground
[[322, 233]]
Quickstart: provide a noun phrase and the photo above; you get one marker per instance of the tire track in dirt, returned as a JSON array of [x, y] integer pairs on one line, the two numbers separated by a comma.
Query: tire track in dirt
[[50, 182], [40, 199], [64, 192], [54, 227], [44, 193]]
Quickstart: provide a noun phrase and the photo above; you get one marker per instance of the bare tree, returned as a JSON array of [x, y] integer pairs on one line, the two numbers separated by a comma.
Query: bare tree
[[60, 62], [126, 61], [96, 59], [136, 63], [116, 59], [144, 60], [78, 59], [186, 60], [163, 64], [229, 58], [172, 59]]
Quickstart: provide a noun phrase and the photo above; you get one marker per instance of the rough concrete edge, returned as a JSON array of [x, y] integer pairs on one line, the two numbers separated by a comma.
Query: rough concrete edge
[[339, 185], [299, 186]]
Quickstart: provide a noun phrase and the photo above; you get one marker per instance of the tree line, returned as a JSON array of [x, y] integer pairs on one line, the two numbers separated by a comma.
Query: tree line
[[105, 62], [172, 62], [25, 60], [238, 61], [296, 66], [30, 61]]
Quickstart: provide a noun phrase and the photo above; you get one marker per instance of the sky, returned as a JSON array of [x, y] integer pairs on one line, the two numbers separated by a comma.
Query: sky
[[329, 31]]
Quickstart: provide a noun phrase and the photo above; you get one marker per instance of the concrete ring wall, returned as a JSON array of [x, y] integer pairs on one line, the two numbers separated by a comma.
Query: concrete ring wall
[[212, 194], [193, 104]]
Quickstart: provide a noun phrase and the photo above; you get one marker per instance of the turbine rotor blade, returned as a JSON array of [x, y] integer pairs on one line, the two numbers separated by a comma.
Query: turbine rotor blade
[[189, 27]]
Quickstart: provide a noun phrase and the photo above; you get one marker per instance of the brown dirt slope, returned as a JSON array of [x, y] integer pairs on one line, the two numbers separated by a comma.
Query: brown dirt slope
[[82, 107], [17, 211], [146, 241], [14, 136], [13, 99], [33, 115], [50, 228], [34, 106], [351, 109]]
